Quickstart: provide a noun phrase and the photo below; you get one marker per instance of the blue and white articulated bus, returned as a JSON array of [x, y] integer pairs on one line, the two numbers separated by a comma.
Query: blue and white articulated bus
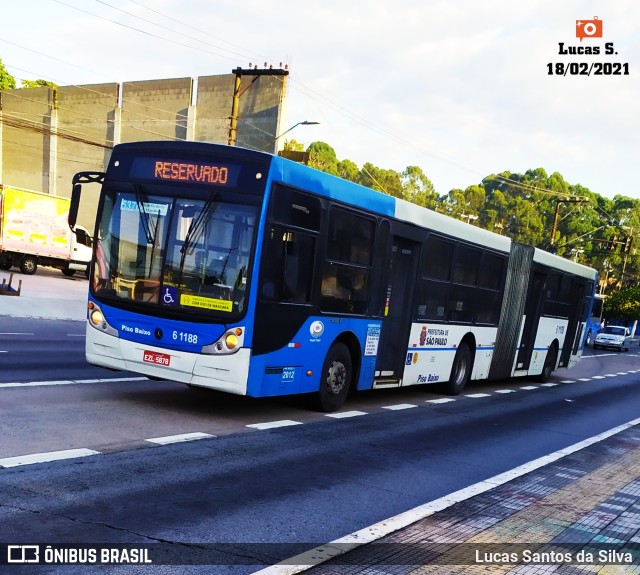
[[243, 272]]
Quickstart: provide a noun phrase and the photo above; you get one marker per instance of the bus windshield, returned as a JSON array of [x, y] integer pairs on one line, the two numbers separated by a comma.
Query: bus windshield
[[177, 253]]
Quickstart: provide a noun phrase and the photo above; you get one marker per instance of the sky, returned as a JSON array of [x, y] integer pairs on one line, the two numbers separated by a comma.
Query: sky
[[460, 88]]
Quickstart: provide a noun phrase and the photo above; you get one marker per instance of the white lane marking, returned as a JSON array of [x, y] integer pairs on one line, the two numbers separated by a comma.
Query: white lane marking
[[568, 381], [622, 373], [274, 424], [166, 440], [399, 406], [337, 547], [505, 391], [344, 414], [529, 387], [43, 457], [441, 400], [69, 382], [478, 395], [15, 333], [598, 377], [548, 384], [584, 379]]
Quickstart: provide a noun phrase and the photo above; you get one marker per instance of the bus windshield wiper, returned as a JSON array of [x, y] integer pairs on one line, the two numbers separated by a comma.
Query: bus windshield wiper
[[141, 199], [196, 229]]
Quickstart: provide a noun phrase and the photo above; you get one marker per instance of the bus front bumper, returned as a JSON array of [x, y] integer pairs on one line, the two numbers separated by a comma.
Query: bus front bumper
[[228, 373]]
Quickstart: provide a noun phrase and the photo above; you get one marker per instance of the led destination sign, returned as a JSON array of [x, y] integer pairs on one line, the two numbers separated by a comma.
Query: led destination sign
[[185, 171]]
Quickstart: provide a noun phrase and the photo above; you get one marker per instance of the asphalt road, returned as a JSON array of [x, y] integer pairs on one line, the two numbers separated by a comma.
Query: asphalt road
[[303, 484]]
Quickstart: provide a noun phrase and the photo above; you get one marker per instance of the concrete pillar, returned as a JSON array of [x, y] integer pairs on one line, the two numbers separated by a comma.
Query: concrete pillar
[[51, 146]]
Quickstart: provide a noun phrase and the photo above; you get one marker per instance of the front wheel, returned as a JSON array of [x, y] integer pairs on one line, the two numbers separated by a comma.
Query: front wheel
[[28, 265], [460, 370], [335, 379]]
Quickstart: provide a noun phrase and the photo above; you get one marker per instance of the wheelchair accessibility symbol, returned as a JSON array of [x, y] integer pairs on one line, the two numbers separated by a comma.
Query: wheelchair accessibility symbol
[[169, 295]]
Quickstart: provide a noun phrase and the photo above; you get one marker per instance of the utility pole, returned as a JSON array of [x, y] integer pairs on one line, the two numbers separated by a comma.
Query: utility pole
[[569, 200], [254, 73]]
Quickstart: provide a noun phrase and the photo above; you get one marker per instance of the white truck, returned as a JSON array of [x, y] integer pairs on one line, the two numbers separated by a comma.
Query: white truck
[[34, 231]]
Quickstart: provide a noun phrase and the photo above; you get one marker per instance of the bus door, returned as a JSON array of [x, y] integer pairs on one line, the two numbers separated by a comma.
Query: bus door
[[401, 275], [533, 312], [572, 338]]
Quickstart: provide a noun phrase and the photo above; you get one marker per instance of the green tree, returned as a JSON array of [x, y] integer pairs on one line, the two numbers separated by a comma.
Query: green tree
[[386, 181], [623, 305], [348, 170], [417, 188], [7, 81], [293, 146], [38, 84], [323, 157]]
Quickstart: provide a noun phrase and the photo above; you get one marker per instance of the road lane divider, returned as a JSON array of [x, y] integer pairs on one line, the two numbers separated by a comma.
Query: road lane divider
[[70, 382], [46, 457], [179, 438], [274, 424]]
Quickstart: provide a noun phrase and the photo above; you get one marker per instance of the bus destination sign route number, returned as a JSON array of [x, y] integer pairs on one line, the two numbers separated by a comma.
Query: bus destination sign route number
[[185, 171]]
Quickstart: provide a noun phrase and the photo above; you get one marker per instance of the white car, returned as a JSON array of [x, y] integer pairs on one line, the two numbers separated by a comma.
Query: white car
[[617, 336]]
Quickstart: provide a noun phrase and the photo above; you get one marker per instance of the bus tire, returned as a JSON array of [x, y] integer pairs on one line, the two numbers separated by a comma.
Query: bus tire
[[28, 265], [549, 364], [460, 370], [335, 379]]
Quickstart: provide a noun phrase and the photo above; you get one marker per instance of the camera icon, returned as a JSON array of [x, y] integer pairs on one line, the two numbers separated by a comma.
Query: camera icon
[[589, 28]]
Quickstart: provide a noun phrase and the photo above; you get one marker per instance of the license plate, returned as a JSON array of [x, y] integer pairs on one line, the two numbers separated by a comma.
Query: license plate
[[156, 358]]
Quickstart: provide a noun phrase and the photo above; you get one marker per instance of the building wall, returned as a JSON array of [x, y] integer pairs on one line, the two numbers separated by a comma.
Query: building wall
[[47, 135]]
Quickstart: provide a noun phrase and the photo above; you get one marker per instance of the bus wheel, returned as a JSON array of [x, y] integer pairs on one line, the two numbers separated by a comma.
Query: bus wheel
[[460, 371], [549, 364], [335, 379], [28, 265]]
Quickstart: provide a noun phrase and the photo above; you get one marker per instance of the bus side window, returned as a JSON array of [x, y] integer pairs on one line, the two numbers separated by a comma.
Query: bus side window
[[287, 266]]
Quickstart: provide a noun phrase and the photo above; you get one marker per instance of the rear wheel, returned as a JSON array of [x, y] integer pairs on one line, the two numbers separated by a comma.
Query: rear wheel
[[549, 364], [68, 272], [460, 370], [28, 265], [335, 379]]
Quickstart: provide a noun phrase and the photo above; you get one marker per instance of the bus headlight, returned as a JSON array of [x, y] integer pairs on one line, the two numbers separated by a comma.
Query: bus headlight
[[98, 321], [230, 342]]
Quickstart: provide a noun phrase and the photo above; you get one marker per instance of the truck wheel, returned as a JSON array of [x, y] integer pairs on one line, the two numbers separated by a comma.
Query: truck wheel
[[68, 272], [335, 379], [28, 265], [460, 370], [6, 265]]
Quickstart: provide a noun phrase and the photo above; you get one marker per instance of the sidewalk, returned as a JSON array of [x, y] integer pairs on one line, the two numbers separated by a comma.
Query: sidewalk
[[577, 515], [47, 294]]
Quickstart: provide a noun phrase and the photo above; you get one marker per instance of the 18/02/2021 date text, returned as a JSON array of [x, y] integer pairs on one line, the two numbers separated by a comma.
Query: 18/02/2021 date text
[[588, 69]]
